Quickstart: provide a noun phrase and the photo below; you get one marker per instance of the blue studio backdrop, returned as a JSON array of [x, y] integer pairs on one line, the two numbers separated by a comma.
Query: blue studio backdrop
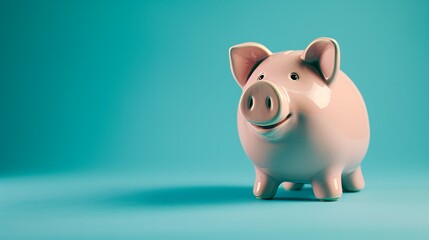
[[118, 119]]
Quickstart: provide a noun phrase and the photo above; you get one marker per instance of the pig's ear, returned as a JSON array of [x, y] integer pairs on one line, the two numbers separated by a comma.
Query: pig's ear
[[324, 55], [244, 58]]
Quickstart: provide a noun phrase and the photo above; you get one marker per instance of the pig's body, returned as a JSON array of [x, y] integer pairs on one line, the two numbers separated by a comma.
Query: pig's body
[[338, 132], [324, 134]]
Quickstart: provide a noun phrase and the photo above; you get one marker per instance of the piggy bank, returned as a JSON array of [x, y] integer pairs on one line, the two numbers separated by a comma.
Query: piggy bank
[[300, 119]]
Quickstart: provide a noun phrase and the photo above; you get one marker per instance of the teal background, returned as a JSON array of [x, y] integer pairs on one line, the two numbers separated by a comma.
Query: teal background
[[118, 119]]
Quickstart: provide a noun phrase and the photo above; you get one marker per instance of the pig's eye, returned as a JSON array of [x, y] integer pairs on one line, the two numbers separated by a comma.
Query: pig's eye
[[261, 76], [294, 76]]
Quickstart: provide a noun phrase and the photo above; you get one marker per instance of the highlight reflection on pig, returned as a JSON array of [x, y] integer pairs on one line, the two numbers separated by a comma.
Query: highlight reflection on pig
[[300, 119]]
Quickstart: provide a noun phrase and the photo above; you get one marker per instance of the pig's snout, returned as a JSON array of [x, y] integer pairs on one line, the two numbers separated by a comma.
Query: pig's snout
[[263, 104]]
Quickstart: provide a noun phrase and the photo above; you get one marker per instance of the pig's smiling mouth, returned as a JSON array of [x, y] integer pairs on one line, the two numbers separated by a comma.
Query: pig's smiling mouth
[[268, 127]]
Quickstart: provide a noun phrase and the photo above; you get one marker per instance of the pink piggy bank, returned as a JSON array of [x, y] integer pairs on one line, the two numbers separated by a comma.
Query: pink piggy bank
[[300, 119]]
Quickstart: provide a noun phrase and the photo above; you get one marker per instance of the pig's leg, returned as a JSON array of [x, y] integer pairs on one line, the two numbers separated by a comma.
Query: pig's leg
[[353, 181], [327, 184], [265, 186], [292, 186]]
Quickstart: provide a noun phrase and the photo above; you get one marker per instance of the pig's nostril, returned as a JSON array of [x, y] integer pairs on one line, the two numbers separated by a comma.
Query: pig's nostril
[[250, 103], [268, 102]]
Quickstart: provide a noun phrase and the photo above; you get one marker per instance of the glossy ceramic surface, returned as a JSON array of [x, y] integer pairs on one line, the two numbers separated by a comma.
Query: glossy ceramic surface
[[300, 119]]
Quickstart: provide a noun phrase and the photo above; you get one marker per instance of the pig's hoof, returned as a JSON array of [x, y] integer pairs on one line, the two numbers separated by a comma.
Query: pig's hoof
[[329, 199], [265, 197], [353, 182], [290, 186]]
